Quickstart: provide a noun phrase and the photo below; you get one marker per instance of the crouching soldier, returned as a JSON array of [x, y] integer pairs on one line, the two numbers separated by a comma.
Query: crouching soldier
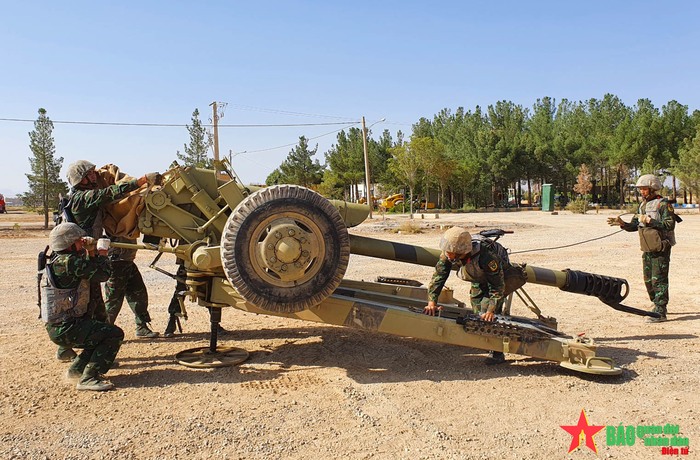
[[483, 262], [65, 299]]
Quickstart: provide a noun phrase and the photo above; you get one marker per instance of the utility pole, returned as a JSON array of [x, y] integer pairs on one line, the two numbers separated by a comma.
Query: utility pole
[[370, 202], [216, 132]]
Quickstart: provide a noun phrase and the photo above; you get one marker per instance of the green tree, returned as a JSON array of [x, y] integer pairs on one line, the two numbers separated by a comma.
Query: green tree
[[331, 186], [299, 168], [539, 140], [637, 137], [45, 184], [506, 146], [676, 128], [379, 156], [200, 142], [570, 130], [444, 170], [347, 161], [687, 166], [430, 154], [274, 178], [406, 166], [606, 141]]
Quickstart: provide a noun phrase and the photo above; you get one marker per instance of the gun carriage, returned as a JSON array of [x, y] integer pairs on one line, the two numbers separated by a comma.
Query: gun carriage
[[284, 250]]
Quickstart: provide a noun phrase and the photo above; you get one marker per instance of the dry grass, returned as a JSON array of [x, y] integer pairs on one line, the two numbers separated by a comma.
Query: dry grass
[[408, 227]]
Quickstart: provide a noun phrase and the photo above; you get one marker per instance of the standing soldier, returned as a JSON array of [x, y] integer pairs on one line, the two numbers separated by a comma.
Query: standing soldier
[[126, 281], [477, 262], [655, 223], [85, 209], [65, 294]]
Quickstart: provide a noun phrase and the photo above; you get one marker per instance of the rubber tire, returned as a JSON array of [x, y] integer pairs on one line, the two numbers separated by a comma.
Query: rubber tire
[[244, 224]]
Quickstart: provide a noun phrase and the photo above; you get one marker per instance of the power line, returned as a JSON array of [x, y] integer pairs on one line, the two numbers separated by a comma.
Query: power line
[[169, 125], [295, 143]]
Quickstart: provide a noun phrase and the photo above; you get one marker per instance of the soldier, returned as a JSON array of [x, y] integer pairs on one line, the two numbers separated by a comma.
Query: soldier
[[85, 209], [76, 263], [475, 261], [655, 223], [175, 308], [126, 281]]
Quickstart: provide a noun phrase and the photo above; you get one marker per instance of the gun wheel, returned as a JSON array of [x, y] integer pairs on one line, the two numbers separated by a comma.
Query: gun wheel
[[204, 358], [285, 248]]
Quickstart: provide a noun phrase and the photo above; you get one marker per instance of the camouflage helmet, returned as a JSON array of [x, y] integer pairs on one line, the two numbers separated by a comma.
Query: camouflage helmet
[[76, 171], [649, 180], [64, 235], [456, 240]]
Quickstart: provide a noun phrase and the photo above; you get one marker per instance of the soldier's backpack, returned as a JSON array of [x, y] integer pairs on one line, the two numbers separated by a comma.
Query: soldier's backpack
[[494, 245], [513, 274]]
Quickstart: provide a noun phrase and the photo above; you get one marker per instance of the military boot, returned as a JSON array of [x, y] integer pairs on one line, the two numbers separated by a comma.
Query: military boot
[[661, 311], [660, 319], [143, 331], [73, 375], [65, 354], [172, 325], [495, 357], [92, 380], [75, 371]]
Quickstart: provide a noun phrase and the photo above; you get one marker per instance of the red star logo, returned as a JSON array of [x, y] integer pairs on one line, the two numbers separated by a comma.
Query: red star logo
[[582, 428]]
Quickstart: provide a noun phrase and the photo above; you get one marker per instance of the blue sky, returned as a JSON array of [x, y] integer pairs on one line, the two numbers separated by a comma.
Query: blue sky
[[299, 62]]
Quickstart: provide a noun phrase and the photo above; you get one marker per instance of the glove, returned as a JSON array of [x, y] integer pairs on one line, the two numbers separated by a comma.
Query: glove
[[103, 244], [615, 221], [645, 219], [89, 243], [153, 178]]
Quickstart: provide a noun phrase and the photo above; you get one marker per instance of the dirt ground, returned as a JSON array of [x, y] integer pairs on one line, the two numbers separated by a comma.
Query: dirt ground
[[310, 391]]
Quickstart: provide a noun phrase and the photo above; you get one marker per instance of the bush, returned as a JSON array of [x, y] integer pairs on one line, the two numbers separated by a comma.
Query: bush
[[578, 206], [408, 227]]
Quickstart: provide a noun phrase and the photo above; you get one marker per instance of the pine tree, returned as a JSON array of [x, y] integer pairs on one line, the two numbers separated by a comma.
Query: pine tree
[[45, 184], [299, 168], [200, 141]]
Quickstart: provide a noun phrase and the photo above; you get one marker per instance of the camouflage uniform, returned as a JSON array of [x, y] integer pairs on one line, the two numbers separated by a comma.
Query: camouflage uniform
[[175, 309], [100, 341], [85, 206], [484, 269], [655, 265], [126, 281]]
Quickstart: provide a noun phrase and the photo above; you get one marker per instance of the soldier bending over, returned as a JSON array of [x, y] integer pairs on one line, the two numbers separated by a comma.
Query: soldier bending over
[[477, 262]]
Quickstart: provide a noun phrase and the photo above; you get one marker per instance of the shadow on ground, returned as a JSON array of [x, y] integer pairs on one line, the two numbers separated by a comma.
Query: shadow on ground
[[282, 355]]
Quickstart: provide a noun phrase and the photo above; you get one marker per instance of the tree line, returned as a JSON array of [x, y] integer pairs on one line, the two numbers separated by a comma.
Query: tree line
[[464, 157], [479, 157]]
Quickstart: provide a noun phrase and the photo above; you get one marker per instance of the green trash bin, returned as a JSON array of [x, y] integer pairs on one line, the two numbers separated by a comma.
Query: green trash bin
[[547, 198]]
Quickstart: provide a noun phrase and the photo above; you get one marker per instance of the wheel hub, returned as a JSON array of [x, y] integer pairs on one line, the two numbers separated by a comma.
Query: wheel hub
[[287, 250]]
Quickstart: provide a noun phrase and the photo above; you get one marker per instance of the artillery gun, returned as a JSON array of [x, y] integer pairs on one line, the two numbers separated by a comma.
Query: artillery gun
[[284, 250]]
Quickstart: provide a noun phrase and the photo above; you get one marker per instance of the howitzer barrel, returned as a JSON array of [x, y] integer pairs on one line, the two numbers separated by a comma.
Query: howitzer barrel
[[353, 214], [608, 289], [389, 250]]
